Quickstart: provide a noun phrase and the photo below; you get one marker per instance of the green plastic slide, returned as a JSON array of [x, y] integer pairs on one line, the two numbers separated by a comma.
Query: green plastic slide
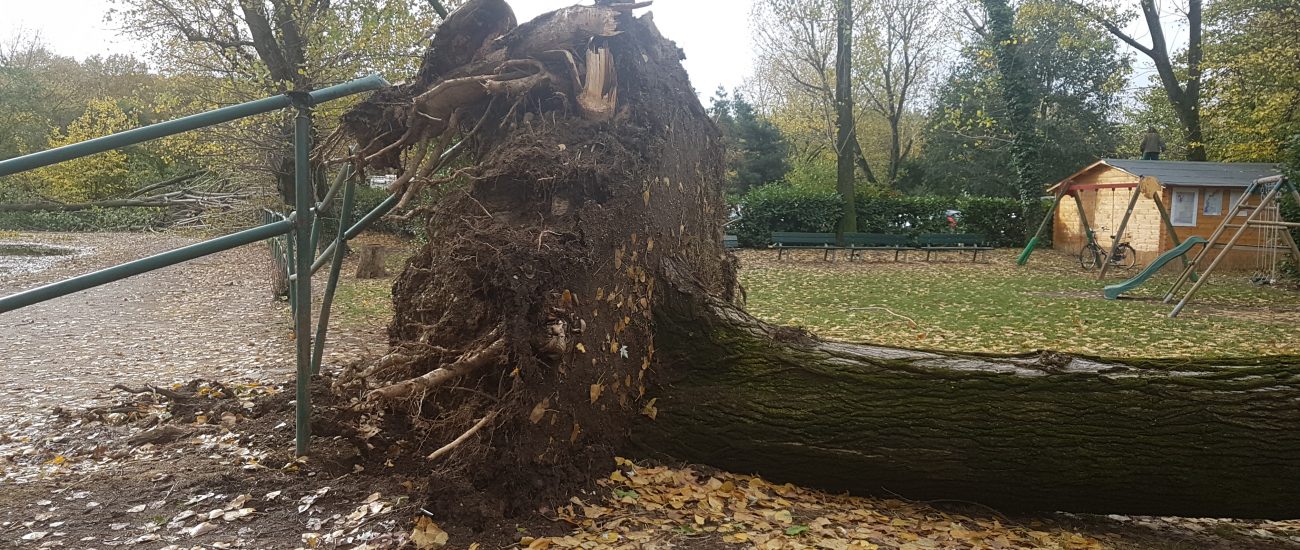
[[1113, 291]]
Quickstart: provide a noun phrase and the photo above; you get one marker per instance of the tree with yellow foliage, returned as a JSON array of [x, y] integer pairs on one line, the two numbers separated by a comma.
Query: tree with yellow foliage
[[98, 176]]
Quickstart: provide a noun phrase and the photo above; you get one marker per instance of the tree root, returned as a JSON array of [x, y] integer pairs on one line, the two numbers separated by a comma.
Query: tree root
[[465, 365], [174, 396], [461, 439]]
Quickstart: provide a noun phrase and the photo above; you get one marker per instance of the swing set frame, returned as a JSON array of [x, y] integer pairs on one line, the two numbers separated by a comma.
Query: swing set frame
[[1146, 186]]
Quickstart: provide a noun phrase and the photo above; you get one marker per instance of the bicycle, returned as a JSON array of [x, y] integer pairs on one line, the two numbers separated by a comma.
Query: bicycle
[[1092, 254]]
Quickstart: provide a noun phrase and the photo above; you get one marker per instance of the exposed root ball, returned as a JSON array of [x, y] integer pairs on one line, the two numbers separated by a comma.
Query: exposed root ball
[[576, 163]]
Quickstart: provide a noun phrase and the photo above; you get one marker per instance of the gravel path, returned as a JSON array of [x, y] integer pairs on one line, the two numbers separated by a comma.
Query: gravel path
[[210, 318]]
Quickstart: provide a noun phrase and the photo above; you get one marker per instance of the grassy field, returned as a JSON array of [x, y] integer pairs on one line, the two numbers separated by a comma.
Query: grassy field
[[367, 304], [1000, 307], [951, 304]]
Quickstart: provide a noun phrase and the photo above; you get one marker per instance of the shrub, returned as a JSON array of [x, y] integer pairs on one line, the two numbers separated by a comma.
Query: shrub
[[890, 212], [778, 207], [998, 219]]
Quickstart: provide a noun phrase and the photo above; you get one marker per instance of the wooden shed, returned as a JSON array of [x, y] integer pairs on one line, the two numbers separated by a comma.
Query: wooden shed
[[1197, 196]]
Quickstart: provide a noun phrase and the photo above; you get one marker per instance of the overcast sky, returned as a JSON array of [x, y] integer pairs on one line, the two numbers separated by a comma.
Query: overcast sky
[[714, 33]]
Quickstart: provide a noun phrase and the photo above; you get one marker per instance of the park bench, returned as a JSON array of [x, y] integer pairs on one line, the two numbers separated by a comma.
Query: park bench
[[730, 242], [958, 242], [783, 241], [859, 242]]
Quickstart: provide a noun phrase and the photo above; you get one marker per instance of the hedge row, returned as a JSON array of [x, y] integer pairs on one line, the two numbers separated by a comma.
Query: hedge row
[[777, 207]]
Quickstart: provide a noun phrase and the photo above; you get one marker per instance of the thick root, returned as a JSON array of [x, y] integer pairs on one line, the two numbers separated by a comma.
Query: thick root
[[465, 365]]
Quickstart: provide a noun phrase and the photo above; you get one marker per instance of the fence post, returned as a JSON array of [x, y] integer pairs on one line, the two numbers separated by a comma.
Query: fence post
[[304, 200], [336, 265]]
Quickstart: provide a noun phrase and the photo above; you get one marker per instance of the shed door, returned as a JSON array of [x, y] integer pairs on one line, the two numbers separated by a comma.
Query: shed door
[[1183, 212]]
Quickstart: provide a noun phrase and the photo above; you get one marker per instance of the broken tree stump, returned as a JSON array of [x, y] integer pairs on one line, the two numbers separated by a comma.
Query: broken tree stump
[[370, 262]]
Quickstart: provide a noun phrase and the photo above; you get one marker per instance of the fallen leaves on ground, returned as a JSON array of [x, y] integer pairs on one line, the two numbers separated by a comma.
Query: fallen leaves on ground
[[659, 507], [1000, 307]]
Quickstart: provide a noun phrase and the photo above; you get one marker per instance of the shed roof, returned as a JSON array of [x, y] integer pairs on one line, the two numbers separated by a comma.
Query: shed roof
[[1180, 172]]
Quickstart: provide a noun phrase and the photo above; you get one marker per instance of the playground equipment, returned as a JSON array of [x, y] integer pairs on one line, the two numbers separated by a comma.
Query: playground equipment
[[1263, 216], [1113, 292], [301, 226], [1146, 186]]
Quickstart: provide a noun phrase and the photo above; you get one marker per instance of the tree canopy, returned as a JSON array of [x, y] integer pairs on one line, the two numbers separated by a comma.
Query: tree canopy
[[1074, 75], [757, 152]]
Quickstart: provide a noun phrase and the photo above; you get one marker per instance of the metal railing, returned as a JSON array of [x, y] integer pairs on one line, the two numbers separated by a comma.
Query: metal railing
[[293, 236]]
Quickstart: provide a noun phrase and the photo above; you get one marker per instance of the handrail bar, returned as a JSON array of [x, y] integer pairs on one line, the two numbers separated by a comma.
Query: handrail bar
[[183, 124], [150, 263]]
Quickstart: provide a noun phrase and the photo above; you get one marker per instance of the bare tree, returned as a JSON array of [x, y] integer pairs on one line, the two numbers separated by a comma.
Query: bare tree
[[796, 43], [904, 38], [239, 50], [845, 129], [1183, 88]]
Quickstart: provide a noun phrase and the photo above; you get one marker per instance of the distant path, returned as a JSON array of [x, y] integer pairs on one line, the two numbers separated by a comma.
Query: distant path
[[210, 318]]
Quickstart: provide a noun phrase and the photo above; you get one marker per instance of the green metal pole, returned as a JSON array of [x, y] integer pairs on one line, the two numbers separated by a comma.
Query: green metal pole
[[328, 200], [192, 122], [356, 229], [1023, 258], [303, 205], [373, 215], [290, 254], [143, 265], [316, 232], [324, 205], [322, 325]]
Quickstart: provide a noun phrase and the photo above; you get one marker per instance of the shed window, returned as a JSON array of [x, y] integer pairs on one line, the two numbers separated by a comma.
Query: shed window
[[1183, 212], [1213, 202], [1233, 198]]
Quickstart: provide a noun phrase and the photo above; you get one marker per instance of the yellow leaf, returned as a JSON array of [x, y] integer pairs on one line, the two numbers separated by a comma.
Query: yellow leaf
[[650, 410], [617, 476], [539, 411], [595, 391], [581, 348], [783, 516], [427, 535]]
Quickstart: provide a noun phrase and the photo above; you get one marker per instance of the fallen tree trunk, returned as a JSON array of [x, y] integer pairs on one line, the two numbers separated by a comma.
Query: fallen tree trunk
[[1036, 432], [574, 296]]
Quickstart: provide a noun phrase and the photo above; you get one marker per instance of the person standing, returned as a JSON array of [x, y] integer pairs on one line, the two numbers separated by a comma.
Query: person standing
[[1152, 145]]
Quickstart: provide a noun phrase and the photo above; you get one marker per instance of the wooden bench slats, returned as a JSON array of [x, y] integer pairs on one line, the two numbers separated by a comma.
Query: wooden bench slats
[[860, 242]]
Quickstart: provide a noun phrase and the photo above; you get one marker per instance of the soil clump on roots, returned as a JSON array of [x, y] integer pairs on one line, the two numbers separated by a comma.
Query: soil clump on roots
[[576, 173]]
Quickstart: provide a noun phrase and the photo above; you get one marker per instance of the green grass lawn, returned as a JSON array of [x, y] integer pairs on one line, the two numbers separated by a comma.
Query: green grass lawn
[[1000, 307], [955, 305], [367, 304]]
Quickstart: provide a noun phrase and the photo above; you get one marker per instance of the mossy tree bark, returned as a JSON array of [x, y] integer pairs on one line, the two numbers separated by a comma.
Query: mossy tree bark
[[1036, 432]]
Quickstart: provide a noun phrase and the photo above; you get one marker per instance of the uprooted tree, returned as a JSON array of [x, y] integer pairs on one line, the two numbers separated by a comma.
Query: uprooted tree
[[574, 301]]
